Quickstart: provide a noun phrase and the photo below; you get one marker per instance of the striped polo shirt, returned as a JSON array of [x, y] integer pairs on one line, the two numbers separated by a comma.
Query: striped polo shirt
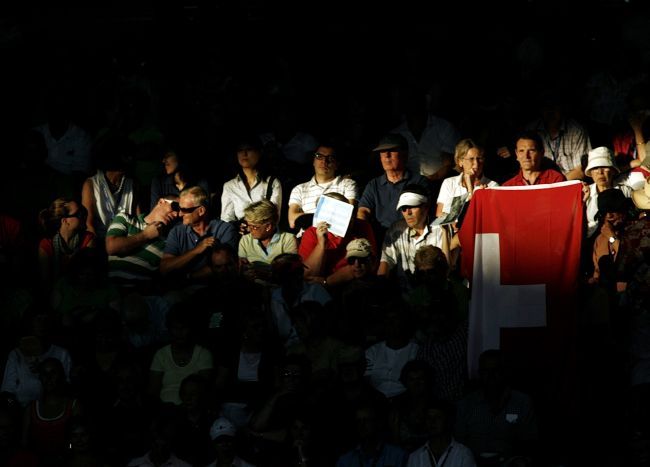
[[142, 264]]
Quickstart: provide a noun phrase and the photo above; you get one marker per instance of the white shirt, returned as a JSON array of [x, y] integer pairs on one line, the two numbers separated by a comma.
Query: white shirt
[[70, 153], [385, 365], [306, 194], [456, 455], [400, 245], [235, 197], [437, 137], [452, 187]]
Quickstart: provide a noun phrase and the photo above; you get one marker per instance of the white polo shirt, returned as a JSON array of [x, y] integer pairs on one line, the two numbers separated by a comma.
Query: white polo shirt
[[306, 194]]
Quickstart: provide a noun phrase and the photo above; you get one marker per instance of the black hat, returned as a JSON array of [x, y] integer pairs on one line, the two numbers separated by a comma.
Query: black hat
[[612, 200]]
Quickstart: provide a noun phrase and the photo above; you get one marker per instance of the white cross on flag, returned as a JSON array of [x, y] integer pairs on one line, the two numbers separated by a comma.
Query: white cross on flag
[[521, 252]]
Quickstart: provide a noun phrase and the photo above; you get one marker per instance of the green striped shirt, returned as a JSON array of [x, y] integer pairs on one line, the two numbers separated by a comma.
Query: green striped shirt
[[142, 263]]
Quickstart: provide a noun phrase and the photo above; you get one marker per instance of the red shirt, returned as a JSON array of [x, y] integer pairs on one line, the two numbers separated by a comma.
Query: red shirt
[[545, 176], [335, 246]]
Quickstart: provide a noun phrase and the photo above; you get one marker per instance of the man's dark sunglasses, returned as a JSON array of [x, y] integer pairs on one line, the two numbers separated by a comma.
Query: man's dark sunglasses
[[188, 210], [81, 213], [352, 259]]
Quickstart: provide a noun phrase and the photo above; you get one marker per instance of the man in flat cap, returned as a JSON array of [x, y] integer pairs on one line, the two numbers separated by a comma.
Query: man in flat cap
[[380, 196]]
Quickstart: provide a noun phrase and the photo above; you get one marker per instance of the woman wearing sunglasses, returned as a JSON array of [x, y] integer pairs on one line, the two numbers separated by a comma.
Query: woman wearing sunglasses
[[64, 223]]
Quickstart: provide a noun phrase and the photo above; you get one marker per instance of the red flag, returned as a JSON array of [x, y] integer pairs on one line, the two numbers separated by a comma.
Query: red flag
[[521, 253]]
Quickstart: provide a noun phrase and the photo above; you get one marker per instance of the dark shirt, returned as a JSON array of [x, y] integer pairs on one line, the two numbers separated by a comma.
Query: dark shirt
[[183, 238], [381, 196], [166, 186]]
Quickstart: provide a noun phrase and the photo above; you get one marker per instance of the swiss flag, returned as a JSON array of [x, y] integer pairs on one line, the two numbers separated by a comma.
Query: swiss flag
[[521, 253]]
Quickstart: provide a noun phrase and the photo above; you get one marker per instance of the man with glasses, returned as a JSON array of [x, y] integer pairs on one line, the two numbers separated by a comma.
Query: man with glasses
[[304, 196], [405, 236], [189, 244], [324, 253], [381, 194]]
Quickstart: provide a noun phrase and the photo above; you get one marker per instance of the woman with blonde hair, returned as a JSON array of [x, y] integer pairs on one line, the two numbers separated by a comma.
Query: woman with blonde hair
[[264, 240], [470, 160]]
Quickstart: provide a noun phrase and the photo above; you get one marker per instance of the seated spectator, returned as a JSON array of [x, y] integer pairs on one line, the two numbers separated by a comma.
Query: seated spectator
[[110, 190], [407, 417], [304, 197], [445, 351], [361, 264], [565, 141], [82, 443], [372, 450], [64, 223], [264, 240], [351, 390], [163, 432], [181, 358], [602, 170], [21, 380], [381, 193], [223, 434], [315, 342], [84, 290], [97, 352], [126, 420], [188, 244], [387, 357], [497, 422], [46, 418], [440, 448], [143, 320], [135, 245], [470, 160], [68, 145], [196, 413], [613, 213], [407, 235], [253, 183], [271, 420], [288, 274], [324, 253], [435, 289], [176, 177], [251, 358], [534, 168]]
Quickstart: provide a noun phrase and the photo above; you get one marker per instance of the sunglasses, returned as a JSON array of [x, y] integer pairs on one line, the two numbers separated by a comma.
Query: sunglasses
[[81, 213], [188, 210], [361, 261], [406, 208]]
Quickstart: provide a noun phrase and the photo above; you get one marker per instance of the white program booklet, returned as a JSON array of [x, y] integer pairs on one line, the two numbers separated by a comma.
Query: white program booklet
[[336, 213]]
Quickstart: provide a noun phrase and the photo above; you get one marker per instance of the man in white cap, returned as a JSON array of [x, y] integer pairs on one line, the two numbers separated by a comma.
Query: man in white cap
[[407, 235], [223, 434], [602, 170]]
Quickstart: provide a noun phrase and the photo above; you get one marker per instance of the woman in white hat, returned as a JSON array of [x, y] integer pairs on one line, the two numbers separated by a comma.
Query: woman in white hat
[[602, 170]]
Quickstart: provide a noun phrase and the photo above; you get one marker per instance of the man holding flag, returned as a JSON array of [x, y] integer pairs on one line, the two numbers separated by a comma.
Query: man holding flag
[[521, 254]]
